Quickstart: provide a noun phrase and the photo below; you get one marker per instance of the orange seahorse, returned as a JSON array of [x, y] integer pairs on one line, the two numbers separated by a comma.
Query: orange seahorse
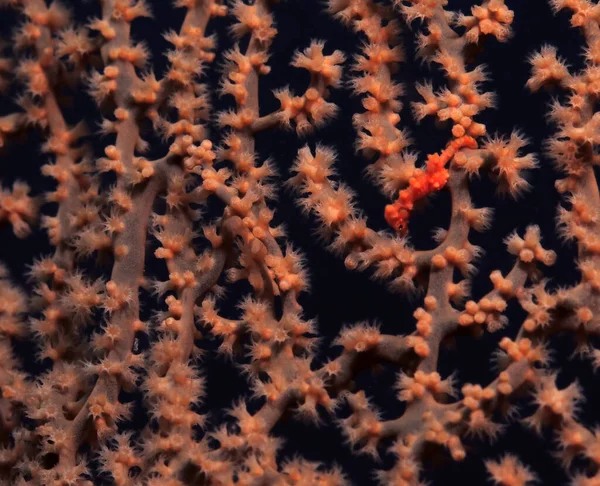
[[423, 182]]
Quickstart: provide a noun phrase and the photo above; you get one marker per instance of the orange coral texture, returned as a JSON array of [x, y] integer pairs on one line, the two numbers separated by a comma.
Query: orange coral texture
[[149, 255]]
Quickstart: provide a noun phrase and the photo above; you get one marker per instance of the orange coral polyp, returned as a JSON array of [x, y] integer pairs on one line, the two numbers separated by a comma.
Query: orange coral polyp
[[423, 182]]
